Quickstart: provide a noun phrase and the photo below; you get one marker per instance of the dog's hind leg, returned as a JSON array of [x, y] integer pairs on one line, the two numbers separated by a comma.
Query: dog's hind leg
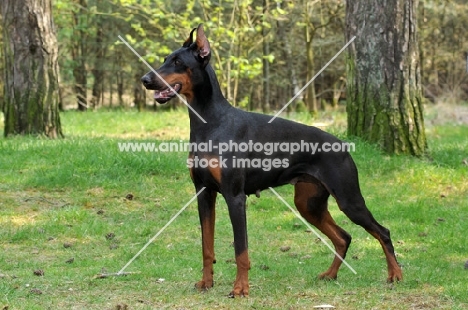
[[342, 182], [360, 215], [311, 199]]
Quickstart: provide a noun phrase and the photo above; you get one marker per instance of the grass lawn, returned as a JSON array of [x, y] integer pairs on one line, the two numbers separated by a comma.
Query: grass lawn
[[73, 208]]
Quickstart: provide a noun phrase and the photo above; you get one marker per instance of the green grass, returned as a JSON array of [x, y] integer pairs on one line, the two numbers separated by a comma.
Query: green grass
[[73, 192]]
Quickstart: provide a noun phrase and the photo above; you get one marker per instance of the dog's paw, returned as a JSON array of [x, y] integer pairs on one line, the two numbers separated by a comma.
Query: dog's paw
[[395, 276], [241, 289], [328, 276], [238, 293], [204, 285]]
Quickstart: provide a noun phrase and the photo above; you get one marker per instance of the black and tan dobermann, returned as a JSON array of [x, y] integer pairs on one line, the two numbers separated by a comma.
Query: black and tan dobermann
[[315, 175]]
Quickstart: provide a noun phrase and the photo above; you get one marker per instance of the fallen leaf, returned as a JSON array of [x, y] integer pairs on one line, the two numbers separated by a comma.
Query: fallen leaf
[[121, 306], [35, 291], [39, 272], [110, 236]]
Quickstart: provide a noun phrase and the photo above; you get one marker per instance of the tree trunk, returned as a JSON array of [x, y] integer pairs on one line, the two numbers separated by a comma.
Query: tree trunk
[[31, 69], [120, 87], [383, 71], [98, 70], [286, 53], [79, 52], [310, 99], [265, 62], [139, 93]]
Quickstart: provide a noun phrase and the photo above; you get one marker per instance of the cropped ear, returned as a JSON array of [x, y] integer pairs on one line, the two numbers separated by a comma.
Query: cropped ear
[[189, 40], [203, 46]]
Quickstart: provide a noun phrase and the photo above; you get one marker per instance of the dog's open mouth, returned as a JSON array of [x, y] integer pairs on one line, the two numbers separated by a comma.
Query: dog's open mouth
[[162, 96]]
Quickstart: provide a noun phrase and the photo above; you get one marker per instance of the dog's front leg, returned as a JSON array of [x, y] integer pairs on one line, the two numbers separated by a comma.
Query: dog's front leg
[[206, 211], [237, 213]]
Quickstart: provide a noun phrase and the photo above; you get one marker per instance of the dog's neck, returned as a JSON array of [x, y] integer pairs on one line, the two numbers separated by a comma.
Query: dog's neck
[[208, 100]]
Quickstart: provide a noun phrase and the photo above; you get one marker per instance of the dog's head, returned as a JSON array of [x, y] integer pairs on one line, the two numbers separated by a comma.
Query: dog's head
[[178, 73]]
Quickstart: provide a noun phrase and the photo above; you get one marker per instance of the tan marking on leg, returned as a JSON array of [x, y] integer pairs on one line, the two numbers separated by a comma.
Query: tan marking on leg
[[322, 220], [241, 285], [331, 230], [208, 229], [394, 270]]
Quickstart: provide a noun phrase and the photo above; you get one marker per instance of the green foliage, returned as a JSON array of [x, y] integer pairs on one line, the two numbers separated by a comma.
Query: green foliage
[[237, 30], [443, 48], [155, 28]]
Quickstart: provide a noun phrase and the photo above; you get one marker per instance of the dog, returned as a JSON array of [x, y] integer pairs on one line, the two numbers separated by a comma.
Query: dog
[[238, 172]]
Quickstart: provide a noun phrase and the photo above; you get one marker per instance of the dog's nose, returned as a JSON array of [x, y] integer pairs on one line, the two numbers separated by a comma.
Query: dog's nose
[[146, 80]]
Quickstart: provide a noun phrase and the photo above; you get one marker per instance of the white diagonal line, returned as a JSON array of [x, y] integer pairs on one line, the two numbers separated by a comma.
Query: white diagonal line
[[312, 229], [311, 80], [160, 231], [164, 81]]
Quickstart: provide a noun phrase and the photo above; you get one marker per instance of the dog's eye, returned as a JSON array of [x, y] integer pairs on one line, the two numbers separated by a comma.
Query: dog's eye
[[177, 62]]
